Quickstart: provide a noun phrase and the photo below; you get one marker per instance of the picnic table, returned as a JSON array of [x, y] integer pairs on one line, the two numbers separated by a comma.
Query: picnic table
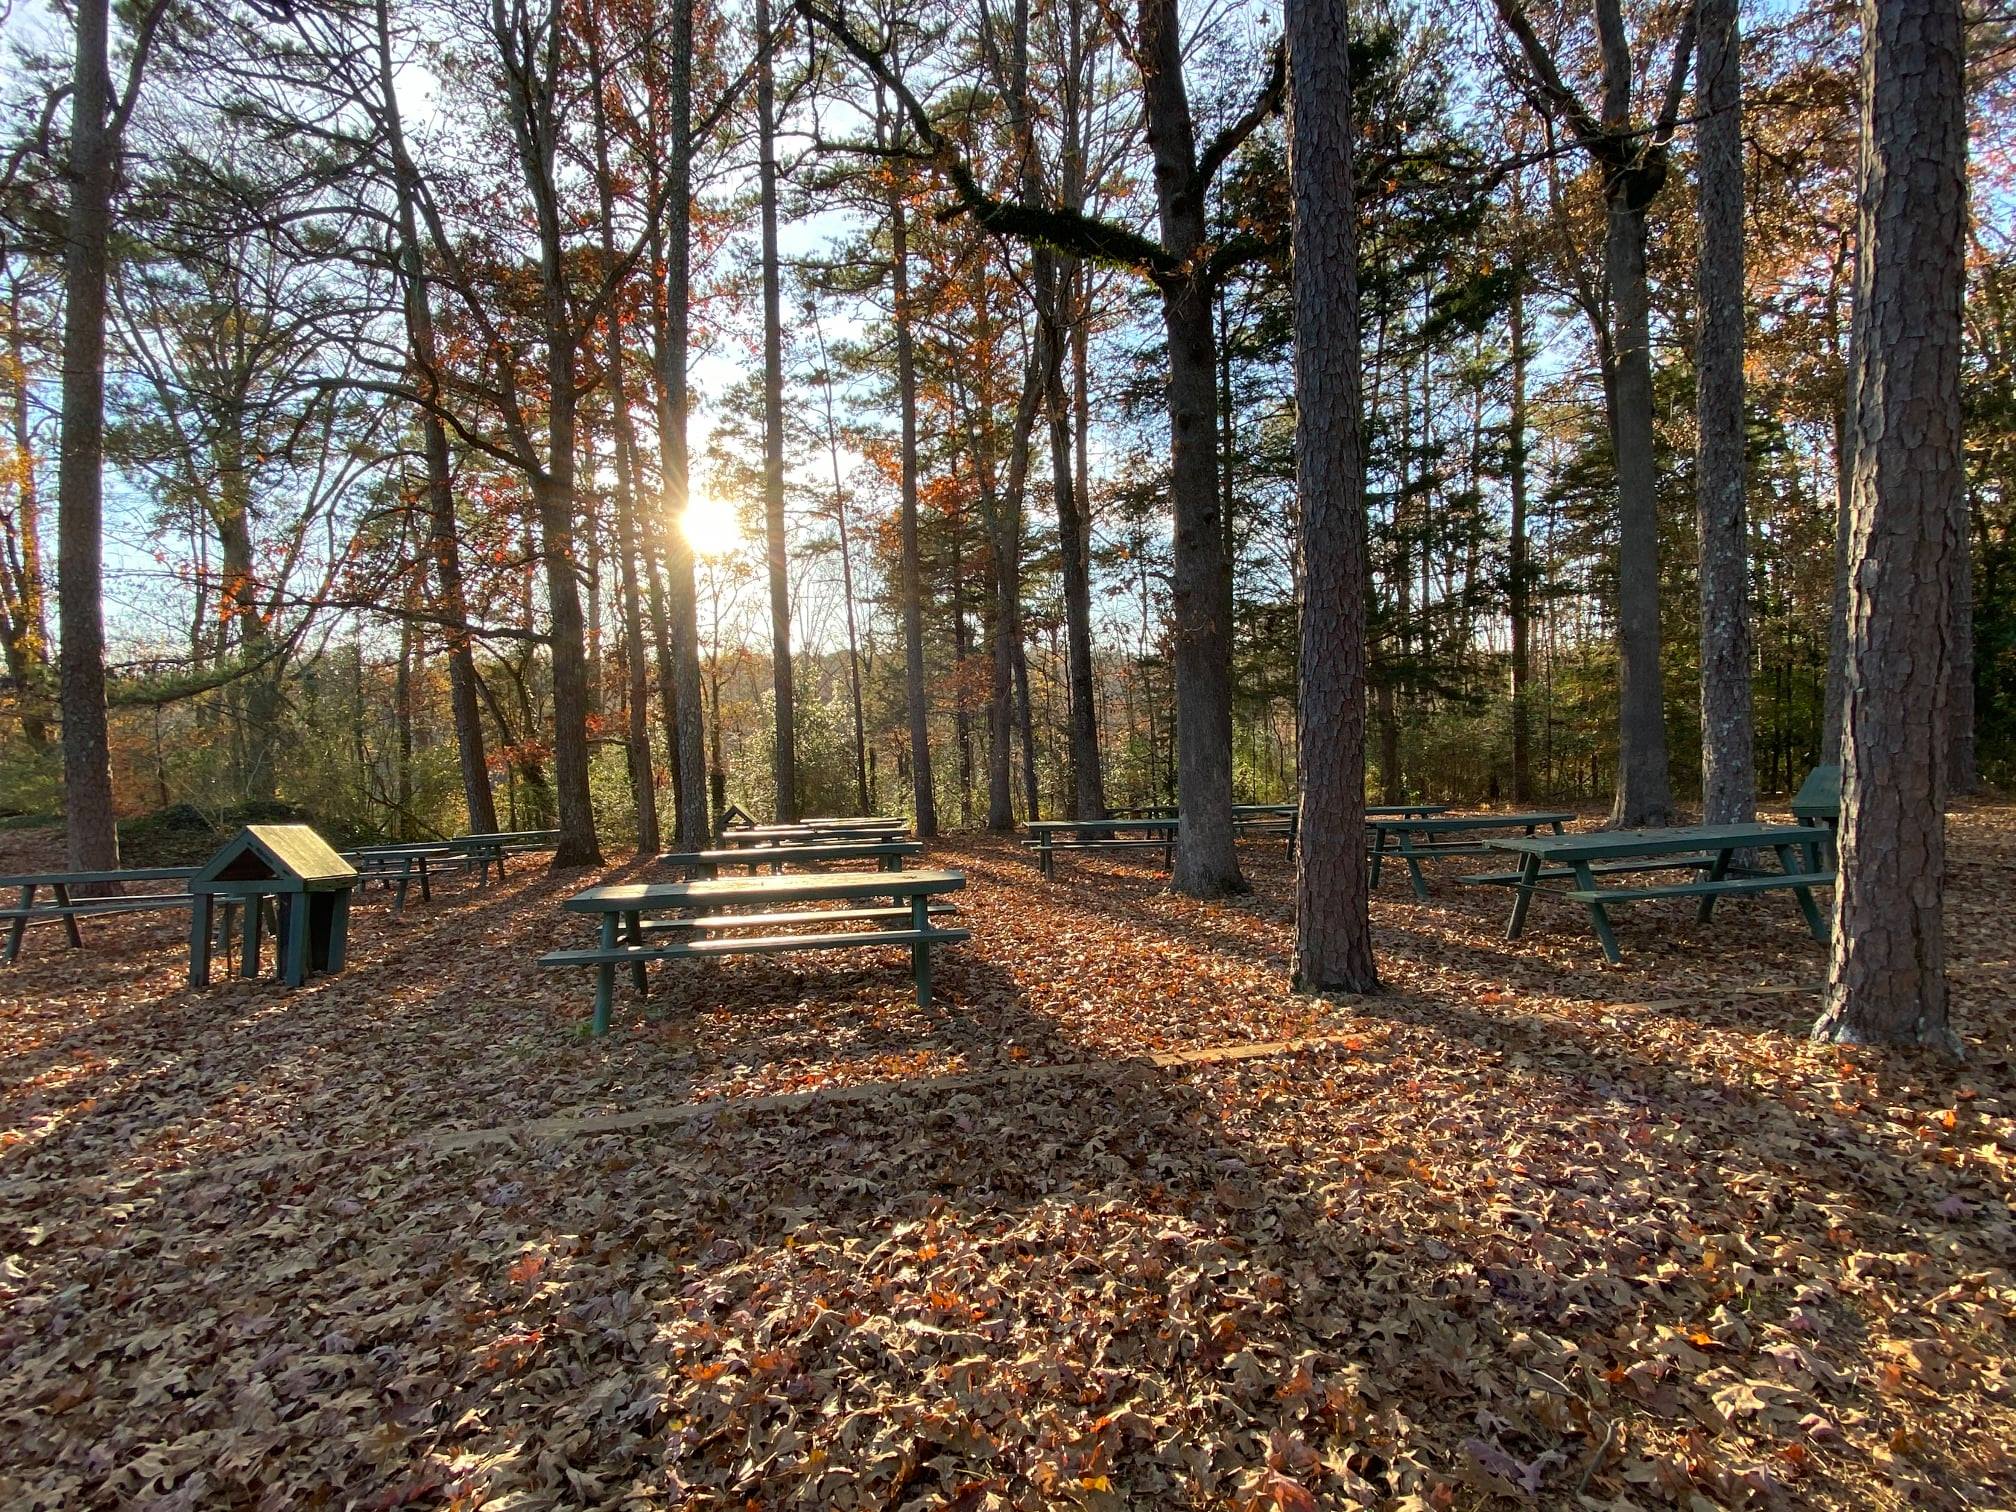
[[1418, 836], [886, 854], [806, 834], [1712, 851], [1048, 836], [629, 934], [399, 866], [63, 906], [492, 846]]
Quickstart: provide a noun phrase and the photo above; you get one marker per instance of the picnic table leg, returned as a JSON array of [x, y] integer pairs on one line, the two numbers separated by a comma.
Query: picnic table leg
[[1717, 870], [605, 976], [20, 925], [62, 891], [248, 962], [633, 932], [293, 932], [1294, 823], [426, 892], [1378, 852], [199, 939], [1529, 875], [1598, 914], [1045, 859], [920, 951], [339, 932], [1814, 920], [1414, 871]]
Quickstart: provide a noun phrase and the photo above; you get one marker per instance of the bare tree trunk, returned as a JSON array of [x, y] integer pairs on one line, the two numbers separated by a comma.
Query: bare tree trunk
[[1644, 789], [1519, 570], [680, 665], [786, 749], [636, 669], [444, 534], [92, 838], [1333, 929], [531, 104], [1886, 980], [27, 626], [1088, 778], [923, 799], [1728, 763], [1207, 864]]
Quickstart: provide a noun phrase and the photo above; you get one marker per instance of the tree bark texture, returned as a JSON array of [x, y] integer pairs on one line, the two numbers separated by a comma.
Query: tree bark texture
[[1333, 930], [1207, 864], [1728, 767], [924, 800], [1886, 979], [92, 836], [785, 752]]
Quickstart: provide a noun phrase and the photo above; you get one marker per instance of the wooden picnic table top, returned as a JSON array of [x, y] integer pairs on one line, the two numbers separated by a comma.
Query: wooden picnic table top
[[772, 855], [92, 878], [1606, 844], [1054, 826], [1456, 824], [502, 837], [1406, 810], [727, 892]]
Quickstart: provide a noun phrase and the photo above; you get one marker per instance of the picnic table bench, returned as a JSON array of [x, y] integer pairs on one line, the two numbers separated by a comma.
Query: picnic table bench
[[491, 847], [705, 928], [1712, 851], [1418, 837], [26, 911], [1048, 836], [886, 854]]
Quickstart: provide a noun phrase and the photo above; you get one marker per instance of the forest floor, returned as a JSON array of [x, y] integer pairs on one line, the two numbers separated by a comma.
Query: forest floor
[[1118, 1222]]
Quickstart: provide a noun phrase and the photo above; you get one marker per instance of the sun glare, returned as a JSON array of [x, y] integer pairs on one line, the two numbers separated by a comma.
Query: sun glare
[[713, 528]]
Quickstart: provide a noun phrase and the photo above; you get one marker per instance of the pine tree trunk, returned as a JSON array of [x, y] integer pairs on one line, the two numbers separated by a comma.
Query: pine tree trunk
[[679, 671], [444, 534], [923, 799], [1333, 930], [1207, 864], [1644, 790], [92, 837], [1518, 568], [786, 746], [1728, 763], [1088, 778], [1886, 980]]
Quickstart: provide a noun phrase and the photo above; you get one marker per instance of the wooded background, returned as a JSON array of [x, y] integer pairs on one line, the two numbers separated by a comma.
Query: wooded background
[[404, 304]]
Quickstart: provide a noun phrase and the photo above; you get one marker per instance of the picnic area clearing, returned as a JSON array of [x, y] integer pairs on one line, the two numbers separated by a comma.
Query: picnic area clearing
[[1117, 1221]]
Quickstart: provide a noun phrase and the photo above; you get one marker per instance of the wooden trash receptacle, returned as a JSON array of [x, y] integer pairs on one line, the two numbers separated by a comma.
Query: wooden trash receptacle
[[309, 884]]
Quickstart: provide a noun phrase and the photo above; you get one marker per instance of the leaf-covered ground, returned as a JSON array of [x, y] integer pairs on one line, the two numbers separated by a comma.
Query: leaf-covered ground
[[1119, 1222]]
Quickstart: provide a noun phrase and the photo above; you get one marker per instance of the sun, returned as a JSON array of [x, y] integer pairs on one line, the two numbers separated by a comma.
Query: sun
[[713, 526]]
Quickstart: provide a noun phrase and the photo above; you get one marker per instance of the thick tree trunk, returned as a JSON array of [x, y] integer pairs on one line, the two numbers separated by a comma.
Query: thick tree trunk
[[923, 799], [1886, 980], [786, 746], [1333, 931], [1728, 766], [92, 839], [1207, 864], [680, 667], [1644, 789]]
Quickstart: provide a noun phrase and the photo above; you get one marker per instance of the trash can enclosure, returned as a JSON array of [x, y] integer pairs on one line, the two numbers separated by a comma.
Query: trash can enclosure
[[309, 885]]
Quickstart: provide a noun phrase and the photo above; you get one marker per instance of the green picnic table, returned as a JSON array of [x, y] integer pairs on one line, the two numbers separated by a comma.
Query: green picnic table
[[810, 834], [399, 865], [1712, 851], [1419, 837], [888, 855], [1048, 836], [628, 935], [64, 907]]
